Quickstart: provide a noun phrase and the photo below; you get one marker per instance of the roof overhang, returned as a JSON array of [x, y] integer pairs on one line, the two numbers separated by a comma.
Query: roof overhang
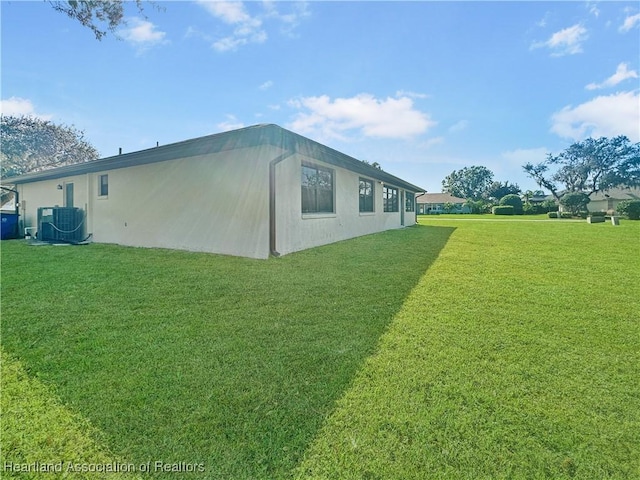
[[264, 134]]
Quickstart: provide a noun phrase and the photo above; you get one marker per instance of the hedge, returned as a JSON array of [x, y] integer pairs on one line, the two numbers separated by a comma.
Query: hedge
[[503, 210]]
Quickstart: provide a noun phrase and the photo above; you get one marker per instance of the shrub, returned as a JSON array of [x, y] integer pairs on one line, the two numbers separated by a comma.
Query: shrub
[[575, 202], [514, 201], [503, 210], [553, 214], [529, 209], [549, 206], [565, 215], [629, 208]]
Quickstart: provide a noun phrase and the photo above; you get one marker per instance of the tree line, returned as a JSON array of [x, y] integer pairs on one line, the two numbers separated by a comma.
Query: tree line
[[584, 168], [31, 144]]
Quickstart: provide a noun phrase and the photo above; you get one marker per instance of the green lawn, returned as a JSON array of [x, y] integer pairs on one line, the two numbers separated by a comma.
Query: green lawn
[[475, 349], [181, 357], [516, 356]]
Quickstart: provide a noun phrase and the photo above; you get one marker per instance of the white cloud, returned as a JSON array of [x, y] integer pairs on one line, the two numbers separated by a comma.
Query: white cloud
[[386, 118], [565, 42], [249, 28], [458, 126], [266, 85], [630, 22], [405, 93], [228, 12], [604, 116], [17, 106], [142, 34], [593, 9], [231, 123], [521, 156], [622, 74], [289, 21]]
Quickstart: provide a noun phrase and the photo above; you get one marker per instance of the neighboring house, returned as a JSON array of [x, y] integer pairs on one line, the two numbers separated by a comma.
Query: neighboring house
[[537, 199], [429, 203], [253, 192], [608, 200]]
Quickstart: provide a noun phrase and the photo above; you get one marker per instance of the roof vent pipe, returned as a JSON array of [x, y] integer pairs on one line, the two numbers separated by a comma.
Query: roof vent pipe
[[120, 151]]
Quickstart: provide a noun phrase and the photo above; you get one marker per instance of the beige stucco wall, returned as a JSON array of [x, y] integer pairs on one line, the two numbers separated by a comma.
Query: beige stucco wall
[[47, 194], [216, 203], [297, 231]]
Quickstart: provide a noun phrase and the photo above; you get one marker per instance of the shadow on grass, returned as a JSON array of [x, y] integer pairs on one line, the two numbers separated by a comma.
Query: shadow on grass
[[227, 362]]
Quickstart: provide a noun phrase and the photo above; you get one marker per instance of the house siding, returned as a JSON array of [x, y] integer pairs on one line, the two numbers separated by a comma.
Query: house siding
[[213, 194], [297, 231]]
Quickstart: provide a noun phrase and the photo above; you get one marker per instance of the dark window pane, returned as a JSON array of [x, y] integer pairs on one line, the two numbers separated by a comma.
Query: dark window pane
[[317, 189], [366, 195]]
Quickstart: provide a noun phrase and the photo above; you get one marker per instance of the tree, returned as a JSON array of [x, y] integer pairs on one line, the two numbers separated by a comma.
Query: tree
[[468, 183], [497, 190], [575, 202], [630, 208], [31, 144], [589, 166], [374, 164], [95, 14]]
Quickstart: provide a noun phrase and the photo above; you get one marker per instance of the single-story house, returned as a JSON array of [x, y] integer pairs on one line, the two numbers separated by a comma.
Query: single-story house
[[254, 192], [430, 203], [608, 200]]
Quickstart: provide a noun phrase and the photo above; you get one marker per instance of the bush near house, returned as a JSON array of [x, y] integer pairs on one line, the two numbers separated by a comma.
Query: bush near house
[[503, 210], [630, 209], [552, 214], [513, 200], [549, 206], [575, 202]]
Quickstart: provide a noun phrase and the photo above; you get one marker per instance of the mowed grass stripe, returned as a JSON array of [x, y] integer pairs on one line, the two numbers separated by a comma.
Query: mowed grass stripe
[[197, 358], [516, 356], [40, 435]]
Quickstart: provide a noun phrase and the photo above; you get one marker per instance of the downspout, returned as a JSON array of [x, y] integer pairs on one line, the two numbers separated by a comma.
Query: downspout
[[272, 201]]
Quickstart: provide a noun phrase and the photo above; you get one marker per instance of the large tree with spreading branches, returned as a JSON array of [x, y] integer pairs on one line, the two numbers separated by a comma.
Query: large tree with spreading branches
[[468, 183], [98, 15], [30, 144], [589, 166]]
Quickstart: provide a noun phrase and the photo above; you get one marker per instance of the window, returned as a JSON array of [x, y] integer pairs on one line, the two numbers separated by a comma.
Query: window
[[366, 195], [409, 202], [317, 189], [390, 199], [103, 185]]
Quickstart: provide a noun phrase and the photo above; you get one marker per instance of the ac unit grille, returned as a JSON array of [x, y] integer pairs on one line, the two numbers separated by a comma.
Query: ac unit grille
[[61, 224]]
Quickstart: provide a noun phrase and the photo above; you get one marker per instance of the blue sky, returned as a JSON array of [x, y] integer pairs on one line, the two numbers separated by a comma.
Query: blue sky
[[423, 88]]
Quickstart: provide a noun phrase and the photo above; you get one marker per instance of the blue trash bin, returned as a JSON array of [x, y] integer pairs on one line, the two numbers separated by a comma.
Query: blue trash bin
[[9, 225]]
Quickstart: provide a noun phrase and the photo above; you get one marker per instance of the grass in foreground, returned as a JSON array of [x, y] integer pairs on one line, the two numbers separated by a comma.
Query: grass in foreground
[[516, 356], [40, 436], [196, 358]]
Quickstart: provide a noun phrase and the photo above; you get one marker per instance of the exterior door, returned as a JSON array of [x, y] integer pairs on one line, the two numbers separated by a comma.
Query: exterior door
[[68, 194]]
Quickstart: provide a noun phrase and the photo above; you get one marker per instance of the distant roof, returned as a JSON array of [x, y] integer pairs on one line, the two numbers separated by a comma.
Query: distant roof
[[617, 194], [438, 198], [263, 134]]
